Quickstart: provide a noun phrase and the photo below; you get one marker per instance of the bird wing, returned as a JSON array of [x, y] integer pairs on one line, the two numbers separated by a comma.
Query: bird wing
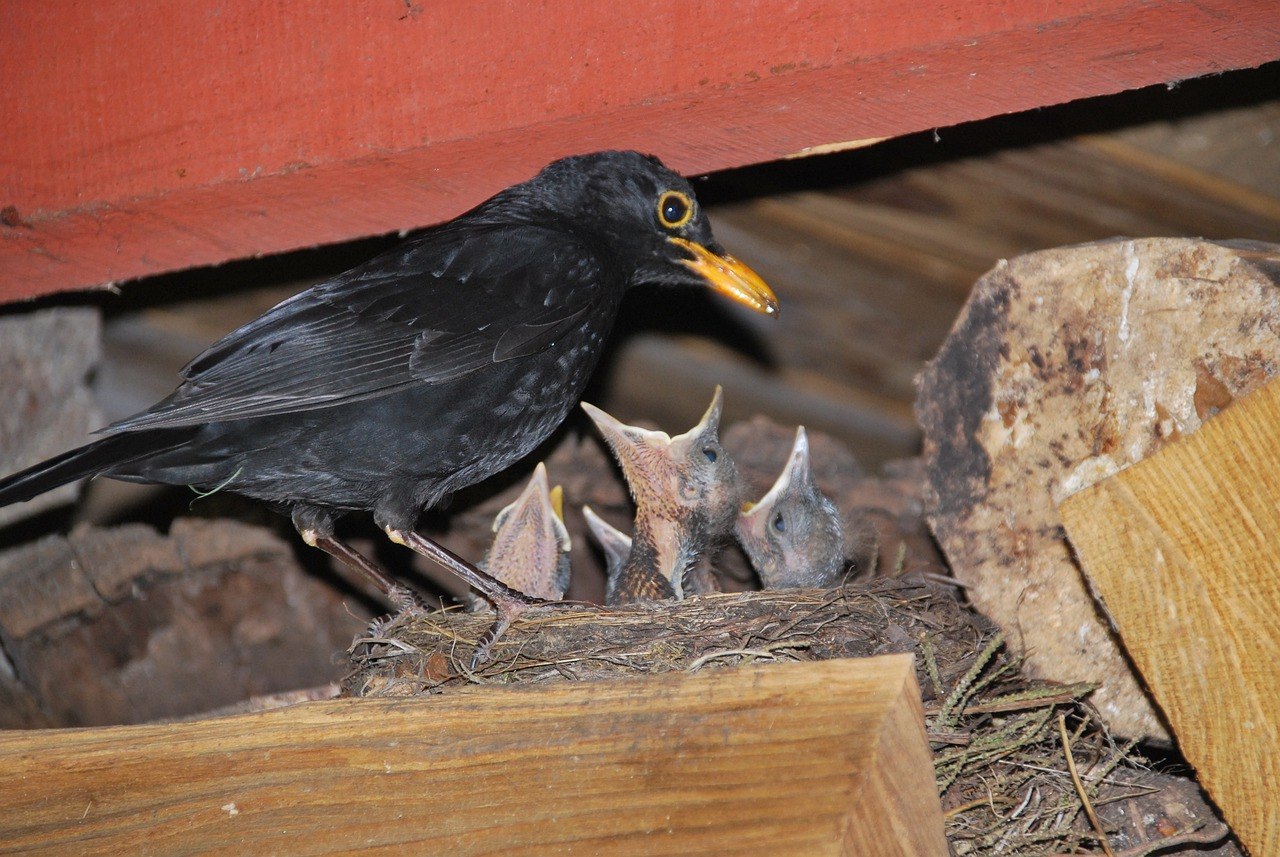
[[450, 303]]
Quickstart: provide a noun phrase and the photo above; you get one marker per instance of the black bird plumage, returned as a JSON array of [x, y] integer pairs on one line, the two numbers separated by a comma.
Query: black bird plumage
[[425, 370]]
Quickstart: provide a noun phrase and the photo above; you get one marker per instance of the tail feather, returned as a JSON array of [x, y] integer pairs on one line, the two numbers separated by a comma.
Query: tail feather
[[88, 460]]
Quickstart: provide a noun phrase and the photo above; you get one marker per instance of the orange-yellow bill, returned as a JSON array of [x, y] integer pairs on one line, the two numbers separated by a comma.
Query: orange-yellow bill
[[729, 277]]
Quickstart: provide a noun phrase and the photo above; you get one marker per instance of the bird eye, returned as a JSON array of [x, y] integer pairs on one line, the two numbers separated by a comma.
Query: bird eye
[[710, 454], [779, 523], [675, 209]]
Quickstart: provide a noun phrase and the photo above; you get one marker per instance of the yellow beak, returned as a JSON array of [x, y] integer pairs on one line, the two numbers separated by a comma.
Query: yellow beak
[[729, 277]]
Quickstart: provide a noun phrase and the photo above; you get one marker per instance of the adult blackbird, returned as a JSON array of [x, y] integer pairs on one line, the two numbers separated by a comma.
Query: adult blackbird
[[686, 494], [425, 370]]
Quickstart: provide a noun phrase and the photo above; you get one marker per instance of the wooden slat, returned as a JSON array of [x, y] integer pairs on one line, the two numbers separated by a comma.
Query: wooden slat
[[1182, 550], [821, 758], [145, 137]]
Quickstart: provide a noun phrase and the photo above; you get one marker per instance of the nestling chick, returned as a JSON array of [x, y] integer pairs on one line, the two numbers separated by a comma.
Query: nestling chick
[[652, 586], [686, 494], [793, 535], [530, 549], [617, 547]]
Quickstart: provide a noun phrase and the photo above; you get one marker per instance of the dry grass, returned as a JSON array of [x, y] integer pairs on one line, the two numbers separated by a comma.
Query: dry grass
[[1003, 752], [413, 654]]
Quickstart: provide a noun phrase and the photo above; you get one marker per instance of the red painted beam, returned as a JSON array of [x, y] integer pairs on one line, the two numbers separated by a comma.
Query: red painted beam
[[151, 136]]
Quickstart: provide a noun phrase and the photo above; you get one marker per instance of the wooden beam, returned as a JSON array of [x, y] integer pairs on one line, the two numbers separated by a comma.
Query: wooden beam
[[795, 759], [154, 136], [1181, 550]]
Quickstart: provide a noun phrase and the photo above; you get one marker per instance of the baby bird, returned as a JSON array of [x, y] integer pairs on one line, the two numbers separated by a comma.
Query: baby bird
[[649, 585], [617, 547], [530, 549], [793, 535], [686, 494]]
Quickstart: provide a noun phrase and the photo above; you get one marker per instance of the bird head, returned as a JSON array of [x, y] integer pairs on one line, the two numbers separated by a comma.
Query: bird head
[[615, 543], [530, 549], [649, 216], [793, 535], [687, 479]]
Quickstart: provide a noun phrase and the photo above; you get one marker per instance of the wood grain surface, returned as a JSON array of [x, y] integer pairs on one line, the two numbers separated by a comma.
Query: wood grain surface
[[1182, 549], [144, 137], [803, 759]]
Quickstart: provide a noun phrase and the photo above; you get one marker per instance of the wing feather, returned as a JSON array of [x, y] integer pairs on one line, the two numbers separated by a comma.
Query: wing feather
[[447, 304]]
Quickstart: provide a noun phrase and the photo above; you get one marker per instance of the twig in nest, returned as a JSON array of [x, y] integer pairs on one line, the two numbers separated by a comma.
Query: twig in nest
[[1207, 836], [988, 800], [944, 579], [960, 694], [1198, 835], [1034, 697], [1080, 790], [765, 651], [931, 667], [386, 641]]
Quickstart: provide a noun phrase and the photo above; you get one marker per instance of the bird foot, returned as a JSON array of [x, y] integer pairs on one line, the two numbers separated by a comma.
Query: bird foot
[[484, 646], [508, 611], [405, 600], [486, 584]]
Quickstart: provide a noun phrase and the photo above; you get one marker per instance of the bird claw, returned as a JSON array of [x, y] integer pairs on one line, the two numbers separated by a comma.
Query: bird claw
[[484, 646], [510, 609], [405, 600]]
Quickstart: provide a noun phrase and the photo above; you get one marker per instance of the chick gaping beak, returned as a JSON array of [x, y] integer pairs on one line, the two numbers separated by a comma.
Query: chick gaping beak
[[728, 276], [643, 454], [616, 544], [536, 515], [651, 460], [797, 474]]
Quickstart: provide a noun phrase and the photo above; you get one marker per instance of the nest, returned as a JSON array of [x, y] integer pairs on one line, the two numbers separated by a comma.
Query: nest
[[416, 653], [1023, 768]]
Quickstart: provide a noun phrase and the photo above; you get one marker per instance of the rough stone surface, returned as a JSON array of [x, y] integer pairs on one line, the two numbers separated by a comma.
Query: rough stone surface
[[1064, 367], [125, 625], [41, 582], [113, 559], [45, 359]]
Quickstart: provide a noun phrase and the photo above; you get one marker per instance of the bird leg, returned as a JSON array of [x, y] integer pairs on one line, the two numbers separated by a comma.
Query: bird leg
[[509, 603], [487, 585], [402, 598]]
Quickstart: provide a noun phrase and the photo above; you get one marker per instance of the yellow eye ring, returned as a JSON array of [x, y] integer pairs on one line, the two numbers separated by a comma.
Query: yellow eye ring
[[675, 209]]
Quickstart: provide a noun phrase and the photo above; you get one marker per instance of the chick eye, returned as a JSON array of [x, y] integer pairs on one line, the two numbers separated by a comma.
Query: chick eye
[[675, 209], [710, 454], [779, 523]]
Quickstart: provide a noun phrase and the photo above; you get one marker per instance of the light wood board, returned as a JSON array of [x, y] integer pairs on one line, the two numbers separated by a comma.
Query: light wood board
[[1184, 550], [821, 758]]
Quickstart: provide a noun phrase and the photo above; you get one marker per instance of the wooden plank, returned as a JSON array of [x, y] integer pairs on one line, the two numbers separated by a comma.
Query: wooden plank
[[1181, 549], [146, 137], [805, 759]]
